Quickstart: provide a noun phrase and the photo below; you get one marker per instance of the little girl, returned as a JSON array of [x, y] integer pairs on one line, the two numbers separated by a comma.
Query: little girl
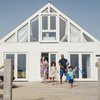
[[53, 72]]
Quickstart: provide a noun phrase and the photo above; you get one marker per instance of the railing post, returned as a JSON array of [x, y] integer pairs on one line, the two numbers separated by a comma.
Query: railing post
[[7, 80], [99, 79]]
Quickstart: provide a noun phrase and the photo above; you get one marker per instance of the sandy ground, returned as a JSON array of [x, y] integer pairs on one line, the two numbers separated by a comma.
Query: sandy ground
[[40, 91]]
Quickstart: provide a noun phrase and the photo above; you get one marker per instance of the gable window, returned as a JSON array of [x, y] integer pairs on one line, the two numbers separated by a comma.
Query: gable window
[[48, 31]]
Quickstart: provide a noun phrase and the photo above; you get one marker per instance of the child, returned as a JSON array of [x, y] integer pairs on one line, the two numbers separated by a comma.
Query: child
[[53, 72], [71, 75]]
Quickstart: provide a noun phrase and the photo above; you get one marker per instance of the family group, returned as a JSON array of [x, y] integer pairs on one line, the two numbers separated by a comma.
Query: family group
[[65, 69]]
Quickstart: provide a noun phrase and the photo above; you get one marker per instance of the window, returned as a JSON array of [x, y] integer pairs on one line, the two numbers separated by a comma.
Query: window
[[34, 30], [86, 68], [21, 67], [86, 38], [12, 38], [49, 36], [74, 61], [63, 29], [44, 22], [22, 34], [75, 34], [48, 28], [52, 22]]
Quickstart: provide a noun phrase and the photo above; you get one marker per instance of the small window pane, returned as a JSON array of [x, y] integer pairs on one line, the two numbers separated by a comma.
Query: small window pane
[[49, 36], [52, 22], [34, 30], [44, 22]]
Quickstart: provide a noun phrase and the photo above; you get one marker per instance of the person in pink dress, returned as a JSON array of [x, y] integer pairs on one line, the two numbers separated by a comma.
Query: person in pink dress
[[43, 69]]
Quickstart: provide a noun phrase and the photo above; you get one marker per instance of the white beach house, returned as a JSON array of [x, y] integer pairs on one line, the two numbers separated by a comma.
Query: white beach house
[[50, 33]]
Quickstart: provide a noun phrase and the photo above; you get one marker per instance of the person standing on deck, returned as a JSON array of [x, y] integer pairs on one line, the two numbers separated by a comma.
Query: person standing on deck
[[63, 63]]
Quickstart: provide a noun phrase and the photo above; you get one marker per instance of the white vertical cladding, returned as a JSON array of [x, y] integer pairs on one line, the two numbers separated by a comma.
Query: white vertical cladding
[[68, 30], [29, 30], [57, 28]]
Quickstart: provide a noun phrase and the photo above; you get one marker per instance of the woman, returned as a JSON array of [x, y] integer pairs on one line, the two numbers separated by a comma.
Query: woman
[[43, 69]]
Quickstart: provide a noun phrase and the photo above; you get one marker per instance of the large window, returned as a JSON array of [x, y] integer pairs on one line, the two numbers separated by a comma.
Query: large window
[[34, 30], [48, 30]]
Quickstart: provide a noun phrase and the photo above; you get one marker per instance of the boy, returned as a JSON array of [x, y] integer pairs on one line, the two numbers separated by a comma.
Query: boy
[[71, 75]]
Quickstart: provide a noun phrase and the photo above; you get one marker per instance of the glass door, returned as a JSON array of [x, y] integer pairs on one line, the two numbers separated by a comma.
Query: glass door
[[21, 66], [74, 61], [50, 57], [83, 62]]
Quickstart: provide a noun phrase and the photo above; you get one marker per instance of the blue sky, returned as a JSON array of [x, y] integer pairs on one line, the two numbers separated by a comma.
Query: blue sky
[[86, 13]]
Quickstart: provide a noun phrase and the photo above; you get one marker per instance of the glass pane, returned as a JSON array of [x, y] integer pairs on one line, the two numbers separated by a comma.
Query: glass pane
[[44, 22], [49, 36], [12, 38], [11, 56], [52, 22], [86, 38], [86, 68], [45, 10], [63, 28], [52, 10], [21, 67], [75, 34], [22, 34], [74, 61], [34, 30], [53, 58]]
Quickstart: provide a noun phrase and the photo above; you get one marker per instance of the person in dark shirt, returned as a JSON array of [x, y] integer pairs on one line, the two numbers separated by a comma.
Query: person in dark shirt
[[63, 63]]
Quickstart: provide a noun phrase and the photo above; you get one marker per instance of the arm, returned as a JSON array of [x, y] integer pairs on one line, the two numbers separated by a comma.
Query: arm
[[75, 69]]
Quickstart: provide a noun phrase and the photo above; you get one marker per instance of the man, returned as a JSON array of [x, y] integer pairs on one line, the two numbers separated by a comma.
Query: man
[[63, 63]]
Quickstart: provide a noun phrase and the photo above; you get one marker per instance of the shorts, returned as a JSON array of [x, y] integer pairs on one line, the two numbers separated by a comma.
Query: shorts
[[71, 80], [62, 71]]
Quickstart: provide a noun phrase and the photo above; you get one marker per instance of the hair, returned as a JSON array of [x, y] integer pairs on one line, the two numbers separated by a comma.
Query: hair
[[53, 63], [70, 67]]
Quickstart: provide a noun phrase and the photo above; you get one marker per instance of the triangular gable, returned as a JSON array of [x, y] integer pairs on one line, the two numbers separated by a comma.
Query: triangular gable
[[52, 9]]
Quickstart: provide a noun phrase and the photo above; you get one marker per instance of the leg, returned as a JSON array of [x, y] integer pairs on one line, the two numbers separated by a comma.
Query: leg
[[52, 80], [61, 75]]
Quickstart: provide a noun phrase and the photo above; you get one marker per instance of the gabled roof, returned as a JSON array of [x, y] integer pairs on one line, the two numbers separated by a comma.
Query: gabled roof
[[37, 13]]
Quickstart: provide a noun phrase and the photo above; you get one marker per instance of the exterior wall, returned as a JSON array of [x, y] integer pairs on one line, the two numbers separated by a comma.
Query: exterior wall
[[34, 50]]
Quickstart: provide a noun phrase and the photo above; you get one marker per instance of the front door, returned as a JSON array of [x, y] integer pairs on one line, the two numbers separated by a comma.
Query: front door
[[50, 57]]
